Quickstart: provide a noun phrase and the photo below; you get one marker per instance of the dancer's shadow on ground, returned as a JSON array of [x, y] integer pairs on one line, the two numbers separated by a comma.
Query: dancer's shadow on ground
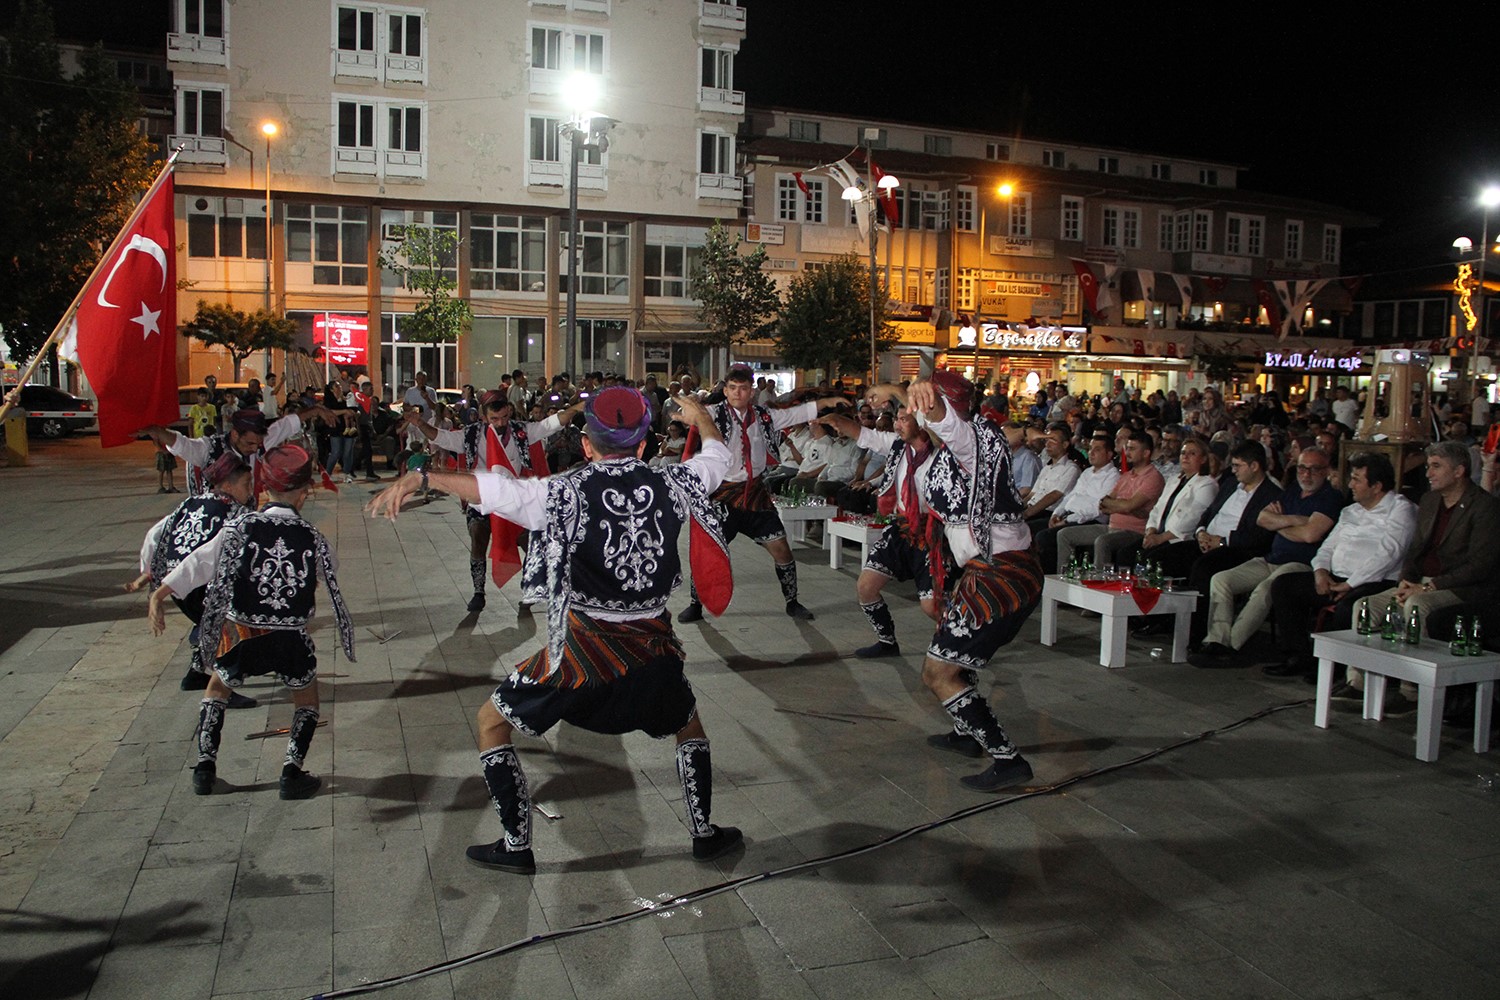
[[70, 971]]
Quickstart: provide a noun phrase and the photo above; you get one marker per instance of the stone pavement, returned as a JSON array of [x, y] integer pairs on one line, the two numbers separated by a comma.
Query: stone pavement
[[1276, 860]]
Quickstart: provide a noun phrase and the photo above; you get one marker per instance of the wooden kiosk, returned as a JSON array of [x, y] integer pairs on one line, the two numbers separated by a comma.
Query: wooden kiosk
[[1397, 421]]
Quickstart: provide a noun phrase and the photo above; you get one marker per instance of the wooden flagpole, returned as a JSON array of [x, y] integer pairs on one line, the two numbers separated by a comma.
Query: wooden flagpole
[[58, 331]]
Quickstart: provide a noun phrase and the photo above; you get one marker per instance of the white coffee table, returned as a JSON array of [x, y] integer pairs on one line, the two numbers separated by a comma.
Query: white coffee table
[[1115, 611], [1428, 665], [796, 519], [853, 531]]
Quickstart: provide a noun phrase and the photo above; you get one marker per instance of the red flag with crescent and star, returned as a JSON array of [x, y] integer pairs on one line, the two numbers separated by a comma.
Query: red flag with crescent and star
[[125, 329]]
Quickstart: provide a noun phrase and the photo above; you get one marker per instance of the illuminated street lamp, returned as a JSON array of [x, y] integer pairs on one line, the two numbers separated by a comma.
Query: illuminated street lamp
[[1476, 321], [269, 130], [871, 193], [585, 129]]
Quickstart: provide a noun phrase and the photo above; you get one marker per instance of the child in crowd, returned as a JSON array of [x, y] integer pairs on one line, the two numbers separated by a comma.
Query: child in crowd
[[203, 416], [166, 471]]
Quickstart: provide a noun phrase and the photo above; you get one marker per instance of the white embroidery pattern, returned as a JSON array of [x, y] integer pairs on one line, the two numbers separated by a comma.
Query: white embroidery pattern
[[635, 555], [276, 579], [190, 531]]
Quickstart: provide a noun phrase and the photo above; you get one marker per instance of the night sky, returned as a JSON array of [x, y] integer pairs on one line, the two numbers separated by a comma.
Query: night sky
[[1391, 118]]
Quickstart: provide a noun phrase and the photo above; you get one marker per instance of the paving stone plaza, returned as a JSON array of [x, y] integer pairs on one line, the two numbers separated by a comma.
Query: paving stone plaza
[[1272, 860]]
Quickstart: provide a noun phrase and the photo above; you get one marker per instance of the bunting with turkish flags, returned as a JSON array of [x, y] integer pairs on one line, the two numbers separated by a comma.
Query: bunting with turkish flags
[[124, 330]]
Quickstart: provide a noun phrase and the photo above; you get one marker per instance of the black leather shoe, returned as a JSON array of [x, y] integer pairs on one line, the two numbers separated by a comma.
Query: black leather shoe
[[960, 743], [877, 650], [794, 609], [723, 840], [1214, 654], [1290, 667], [1002, 774], [692, 613], [237, 700], [203, 778], [496, 858], [476, 603], [298, 784]]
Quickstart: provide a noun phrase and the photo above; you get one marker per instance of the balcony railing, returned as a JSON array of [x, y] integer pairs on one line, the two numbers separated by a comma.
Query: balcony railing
[[183, 47], [723, 186], [200, 149], [730, 102], [721, 15]]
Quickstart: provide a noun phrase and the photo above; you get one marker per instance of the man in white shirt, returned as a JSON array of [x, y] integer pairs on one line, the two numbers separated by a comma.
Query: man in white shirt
[[1081, 505], [1056, 478], [843, 459], [1345, 407], [421, 397], [1361, 556]]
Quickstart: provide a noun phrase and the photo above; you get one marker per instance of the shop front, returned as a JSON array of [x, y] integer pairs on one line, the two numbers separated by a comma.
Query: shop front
[[1020, 359]]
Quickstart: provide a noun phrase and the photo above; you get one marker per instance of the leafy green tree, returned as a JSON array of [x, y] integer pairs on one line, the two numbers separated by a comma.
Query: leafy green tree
[[825, 322], [736, 297], [72, 164], [240, 333], [1221, 365], [426, 259]]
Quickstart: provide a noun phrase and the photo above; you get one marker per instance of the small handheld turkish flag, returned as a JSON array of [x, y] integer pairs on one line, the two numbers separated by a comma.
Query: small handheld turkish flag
[[125, 329]]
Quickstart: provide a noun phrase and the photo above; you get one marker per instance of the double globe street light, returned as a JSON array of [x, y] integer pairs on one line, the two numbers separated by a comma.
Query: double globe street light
[[870, 194]]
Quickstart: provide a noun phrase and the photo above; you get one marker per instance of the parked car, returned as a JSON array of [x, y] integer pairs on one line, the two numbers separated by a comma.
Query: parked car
[[53, 413]]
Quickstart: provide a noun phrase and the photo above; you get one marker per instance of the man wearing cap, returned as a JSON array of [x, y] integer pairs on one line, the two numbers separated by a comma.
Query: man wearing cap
[[611, 663], [249, 435], [752, 433], [910, 547], [262, 573], [971, 488], [191, 524], [498, 442]]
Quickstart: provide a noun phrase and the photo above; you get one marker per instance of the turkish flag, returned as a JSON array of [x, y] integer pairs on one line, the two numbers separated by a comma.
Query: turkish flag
[[125, 329]]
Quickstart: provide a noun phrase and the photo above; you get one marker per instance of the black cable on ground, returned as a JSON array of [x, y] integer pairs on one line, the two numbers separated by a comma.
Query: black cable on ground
[[853, 852]]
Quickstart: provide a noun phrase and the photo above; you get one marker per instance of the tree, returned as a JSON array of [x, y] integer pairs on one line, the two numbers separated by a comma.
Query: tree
[[825, 322], [72, 165], [737, 299], [426, 258], [1221, 365], [240, 333]]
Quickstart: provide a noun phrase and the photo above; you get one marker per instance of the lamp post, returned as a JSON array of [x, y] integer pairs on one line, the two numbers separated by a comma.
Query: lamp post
[[580, 91], [871, 195], [269, 130], [1488, 199]]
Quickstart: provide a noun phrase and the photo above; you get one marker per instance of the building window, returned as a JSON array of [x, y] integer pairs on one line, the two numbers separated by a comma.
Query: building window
[[1130, 228], [507, 253], [718, 68], [557, 50], [795, 205], [1332, 235], [804, 131], [379, 43], [715, 153], [1209, 177], [1161, 171], [934, 209], [1293, 239], [1203, 231], [603, 344], [380, 138], [233, 228], [200, 111], [1244, 235], [1164, 228], [546, 47], [202, 32], [391, 223], [669, 269], [1055, 158], [937, 145], [996, 151], [1072, 219], [1109, 231], [588, 52], [963, 217], [1020, 214], [334, 239], [543, 141], [604, 263], [1109, 164], [202, 17]]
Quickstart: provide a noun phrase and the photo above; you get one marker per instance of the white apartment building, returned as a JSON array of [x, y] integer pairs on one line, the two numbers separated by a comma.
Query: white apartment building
[[449, 114]]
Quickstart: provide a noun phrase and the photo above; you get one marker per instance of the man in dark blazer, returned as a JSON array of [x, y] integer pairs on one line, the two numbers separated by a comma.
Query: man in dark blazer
[[1227, 533]]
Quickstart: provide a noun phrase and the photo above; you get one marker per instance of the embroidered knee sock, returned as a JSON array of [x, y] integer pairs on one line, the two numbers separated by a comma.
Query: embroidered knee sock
[[210, 725], [879, 614], [304, 724], [509, 794], [971, 714], [787, 577], [696, 773], [476, 573]]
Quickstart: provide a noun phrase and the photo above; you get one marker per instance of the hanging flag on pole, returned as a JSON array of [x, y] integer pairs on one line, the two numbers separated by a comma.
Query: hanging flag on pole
[[124, 328], [887, 196], [847, 177]]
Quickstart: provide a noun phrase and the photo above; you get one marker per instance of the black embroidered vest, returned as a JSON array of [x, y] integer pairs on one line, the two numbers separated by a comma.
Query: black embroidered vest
[[195, 521]]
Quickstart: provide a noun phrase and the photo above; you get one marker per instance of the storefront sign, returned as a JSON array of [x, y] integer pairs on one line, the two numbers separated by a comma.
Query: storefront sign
[[658, 354], [1046, 307], [756, 232], [343, 339], [1311, 361], [993, 337], [1220, 264], [1005, 289], [1020, 246]]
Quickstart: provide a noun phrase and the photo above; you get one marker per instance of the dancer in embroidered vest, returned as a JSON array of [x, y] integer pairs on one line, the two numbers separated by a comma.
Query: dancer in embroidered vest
[[262, 572], [192, 523], [752, 433], [911, 546], [249, 435], [611, 663], [500, 442], [970, 486]]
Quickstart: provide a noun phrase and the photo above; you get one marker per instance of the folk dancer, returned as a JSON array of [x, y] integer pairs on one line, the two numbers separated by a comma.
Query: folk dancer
[[190, 524], [500, 441], [611, 663], [970, 486], [249, 435], [911, 545], [750, 432], [262, 573]]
